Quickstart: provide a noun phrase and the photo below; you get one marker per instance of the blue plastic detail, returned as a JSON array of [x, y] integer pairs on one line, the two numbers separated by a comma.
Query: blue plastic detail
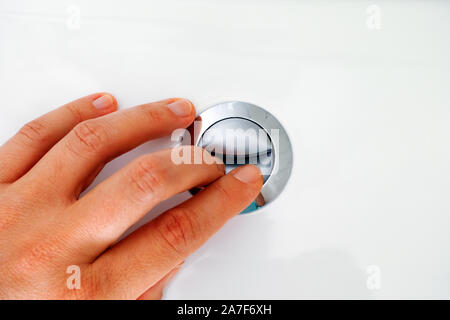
[[252, 207]]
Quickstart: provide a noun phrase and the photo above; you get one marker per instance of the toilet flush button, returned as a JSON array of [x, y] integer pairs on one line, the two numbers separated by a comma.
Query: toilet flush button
[[239, 141], [242, 133]]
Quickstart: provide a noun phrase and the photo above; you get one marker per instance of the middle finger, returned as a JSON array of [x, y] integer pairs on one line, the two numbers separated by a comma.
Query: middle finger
[[117, 203]]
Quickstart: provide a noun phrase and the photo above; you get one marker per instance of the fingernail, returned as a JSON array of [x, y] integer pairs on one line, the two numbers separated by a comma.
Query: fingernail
[[247, 174], [104, 102], [181, 108]]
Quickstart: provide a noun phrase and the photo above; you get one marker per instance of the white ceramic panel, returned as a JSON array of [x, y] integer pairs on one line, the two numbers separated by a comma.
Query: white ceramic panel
[[362, 88]]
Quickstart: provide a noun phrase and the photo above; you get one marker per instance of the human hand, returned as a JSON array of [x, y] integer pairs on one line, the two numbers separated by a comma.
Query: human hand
[[45, 226]]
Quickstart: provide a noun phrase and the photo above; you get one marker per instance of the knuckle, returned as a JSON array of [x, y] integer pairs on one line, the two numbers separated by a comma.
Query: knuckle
[[33, 255], [146, 179], [177, 230], [75, 111], [89, 137], [153, 114], [34, 132], [224, 193]]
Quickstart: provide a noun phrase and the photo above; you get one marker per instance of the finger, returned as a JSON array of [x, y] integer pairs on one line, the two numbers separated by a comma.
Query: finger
[[146, 255], [97, 141], [156, 292], [37, 137], [107, 211]]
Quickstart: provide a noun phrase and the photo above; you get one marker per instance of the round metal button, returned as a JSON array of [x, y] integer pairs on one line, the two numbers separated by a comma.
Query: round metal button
[[241, 133], [238, 141]]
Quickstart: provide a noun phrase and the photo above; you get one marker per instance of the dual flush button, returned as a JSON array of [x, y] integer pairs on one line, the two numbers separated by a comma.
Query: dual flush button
[[242, 133]]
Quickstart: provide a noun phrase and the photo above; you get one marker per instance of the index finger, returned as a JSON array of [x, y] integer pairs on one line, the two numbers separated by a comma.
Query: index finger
[[95, 142]]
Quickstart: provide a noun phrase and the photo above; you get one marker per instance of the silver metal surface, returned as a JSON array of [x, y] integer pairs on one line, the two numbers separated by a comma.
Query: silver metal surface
[[238, 141], [270, 149]]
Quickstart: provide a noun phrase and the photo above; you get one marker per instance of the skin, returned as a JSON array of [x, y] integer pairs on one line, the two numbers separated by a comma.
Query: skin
[[45, 226]]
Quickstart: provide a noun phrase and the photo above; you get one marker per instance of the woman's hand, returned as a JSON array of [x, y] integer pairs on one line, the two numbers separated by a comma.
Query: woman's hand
[[46, 230]]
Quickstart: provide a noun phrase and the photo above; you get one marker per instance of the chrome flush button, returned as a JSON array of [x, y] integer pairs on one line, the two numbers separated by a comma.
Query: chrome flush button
[[242, 133], [238, 141]]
